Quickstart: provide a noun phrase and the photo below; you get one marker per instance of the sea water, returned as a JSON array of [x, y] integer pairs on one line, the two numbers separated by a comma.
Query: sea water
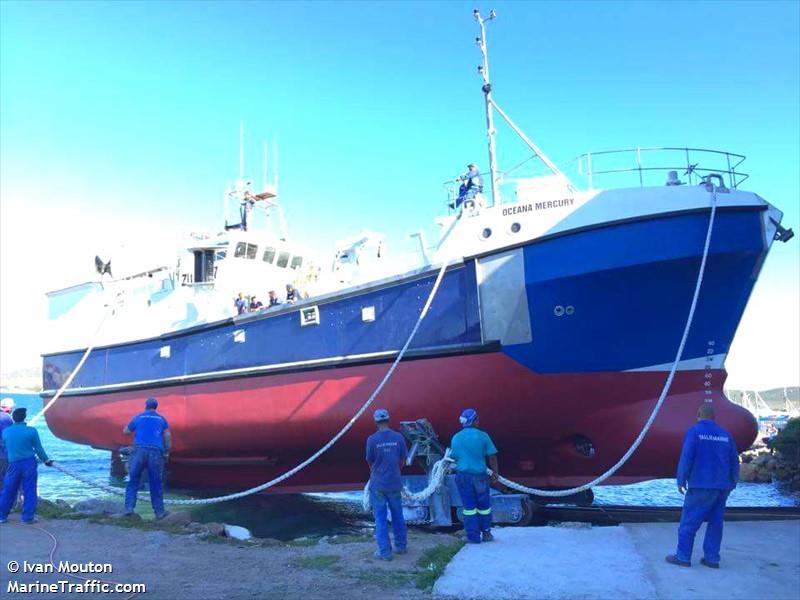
[[287, 516]]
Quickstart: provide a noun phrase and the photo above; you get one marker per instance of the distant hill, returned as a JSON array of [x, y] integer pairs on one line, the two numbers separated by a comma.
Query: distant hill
[[28, 379], [773, 398]]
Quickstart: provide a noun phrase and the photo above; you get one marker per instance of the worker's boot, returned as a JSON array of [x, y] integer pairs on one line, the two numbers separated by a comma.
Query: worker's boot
[[486, 536]]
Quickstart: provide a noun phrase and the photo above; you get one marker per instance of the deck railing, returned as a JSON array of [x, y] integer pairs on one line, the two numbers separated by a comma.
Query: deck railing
[[690, 163]]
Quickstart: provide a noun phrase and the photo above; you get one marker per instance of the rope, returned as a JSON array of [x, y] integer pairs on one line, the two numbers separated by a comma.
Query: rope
[[51, 559], [662, 397], [313, 457], [436, 478], [77, 368]]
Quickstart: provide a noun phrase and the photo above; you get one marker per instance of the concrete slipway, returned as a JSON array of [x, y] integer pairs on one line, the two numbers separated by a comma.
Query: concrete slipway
[[575, 561]]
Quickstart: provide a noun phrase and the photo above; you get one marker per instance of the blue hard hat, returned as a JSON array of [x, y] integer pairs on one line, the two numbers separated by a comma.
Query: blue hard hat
[[468, 417], [151, 403], [380, 415]]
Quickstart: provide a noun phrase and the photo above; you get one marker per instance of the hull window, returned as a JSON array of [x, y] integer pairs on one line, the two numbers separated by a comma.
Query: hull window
[[269, 255], [283, 260]]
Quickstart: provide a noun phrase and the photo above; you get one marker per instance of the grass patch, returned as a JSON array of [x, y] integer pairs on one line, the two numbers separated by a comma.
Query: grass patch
[[303, 542], [350, 538], [433, 562], [385, 577], [322, 562]]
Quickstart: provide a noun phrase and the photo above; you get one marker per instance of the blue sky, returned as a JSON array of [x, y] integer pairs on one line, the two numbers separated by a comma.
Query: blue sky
[[124, 116]]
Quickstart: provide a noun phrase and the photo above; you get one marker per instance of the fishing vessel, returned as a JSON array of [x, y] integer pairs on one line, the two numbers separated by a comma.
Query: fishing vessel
[[558, 318]]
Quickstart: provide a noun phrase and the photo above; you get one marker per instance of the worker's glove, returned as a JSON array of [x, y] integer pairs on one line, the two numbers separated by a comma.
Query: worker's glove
[[681, 489], [493, 477], [49, 463]]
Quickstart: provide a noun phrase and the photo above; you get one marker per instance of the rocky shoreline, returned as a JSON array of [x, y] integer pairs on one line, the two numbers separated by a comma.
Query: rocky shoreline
[[762, 465]]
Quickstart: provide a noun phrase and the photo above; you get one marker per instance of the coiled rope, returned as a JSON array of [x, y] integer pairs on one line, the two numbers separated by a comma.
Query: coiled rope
[[313, 457]]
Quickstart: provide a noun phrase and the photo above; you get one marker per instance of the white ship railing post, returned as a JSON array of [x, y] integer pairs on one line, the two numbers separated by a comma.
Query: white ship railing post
[[487, 92]]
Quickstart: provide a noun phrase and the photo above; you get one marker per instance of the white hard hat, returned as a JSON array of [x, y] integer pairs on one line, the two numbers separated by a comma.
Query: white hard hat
[[7, 404]]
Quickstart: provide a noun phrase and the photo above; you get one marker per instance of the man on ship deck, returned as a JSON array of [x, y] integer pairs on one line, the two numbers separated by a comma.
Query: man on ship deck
[[471, 448], [23, 446], [386, 453], [151, 446], [709, 464]]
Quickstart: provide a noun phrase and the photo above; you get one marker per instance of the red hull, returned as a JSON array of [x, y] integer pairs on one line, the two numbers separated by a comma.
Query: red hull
[[240, 433]]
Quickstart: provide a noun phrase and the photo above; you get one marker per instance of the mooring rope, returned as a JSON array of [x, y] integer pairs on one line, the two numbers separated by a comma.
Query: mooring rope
[[68, 381], [440, 468], [435, 479], [661, 398], [318, 453]]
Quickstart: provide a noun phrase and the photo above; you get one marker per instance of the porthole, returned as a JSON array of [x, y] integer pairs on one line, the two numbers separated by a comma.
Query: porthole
[[486, 233], [515, 227], [569, 310], [558, 311]]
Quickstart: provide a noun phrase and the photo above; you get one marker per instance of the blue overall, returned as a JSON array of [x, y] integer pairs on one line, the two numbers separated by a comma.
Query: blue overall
[[380, 502], [709, 465], [476, 500], [386, 449], [20, 473], [152, 459]]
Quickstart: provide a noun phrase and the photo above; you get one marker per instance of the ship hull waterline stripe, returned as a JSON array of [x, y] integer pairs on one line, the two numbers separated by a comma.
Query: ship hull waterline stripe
[[283, 368]]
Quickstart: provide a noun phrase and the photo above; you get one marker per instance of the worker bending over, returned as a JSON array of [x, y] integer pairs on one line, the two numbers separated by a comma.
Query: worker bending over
[[151, 446], [471, 448]]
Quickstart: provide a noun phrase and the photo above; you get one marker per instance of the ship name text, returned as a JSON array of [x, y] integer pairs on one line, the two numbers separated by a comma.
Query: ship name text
[[534, 206]]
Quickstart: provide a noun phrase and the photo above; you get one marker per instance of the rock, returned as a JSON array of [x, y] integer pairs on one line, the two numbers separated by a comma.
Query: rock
[[133, 517], [747, 472], [63, 504], [196, 527], [237, 533], [216, 529], [96, 506], [747, 458], [763, 476], [179, 518]]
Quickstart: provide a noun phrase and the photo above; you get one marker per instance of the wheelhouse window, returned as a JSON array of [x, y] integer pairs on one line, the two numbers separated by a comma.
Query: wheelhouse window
[[283, 260], [245, 250], [269, 255], [297, 262]]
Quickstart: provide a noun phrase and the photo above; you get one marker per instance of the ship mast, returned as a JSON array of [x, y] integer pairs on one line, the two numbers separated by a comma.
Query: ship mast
[[483, 70]]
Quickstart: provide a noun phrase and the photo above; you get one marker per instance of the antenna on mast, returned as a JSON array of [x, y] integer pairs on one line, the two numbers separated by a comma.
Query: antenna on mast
[[241, 149], [483, 70], [264, 180], [275, 163]]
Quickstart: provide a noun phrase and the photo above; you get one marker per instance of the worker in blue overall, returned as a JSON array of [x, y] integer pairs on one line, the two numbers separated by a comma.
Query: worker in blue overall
[[23, 446], [709, 464], [471, 448], [386, 453], [151, 446]]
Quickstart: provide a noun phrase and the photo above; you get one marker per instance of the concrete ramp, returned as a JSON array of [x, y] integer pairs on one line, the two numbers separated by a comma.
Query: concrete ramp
[[549, 563], [573, 561]]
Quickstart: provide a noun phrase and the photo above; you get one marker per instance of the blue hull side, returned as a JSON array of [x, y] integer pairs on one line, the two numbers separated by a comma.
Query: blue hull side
[[630, 285]]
